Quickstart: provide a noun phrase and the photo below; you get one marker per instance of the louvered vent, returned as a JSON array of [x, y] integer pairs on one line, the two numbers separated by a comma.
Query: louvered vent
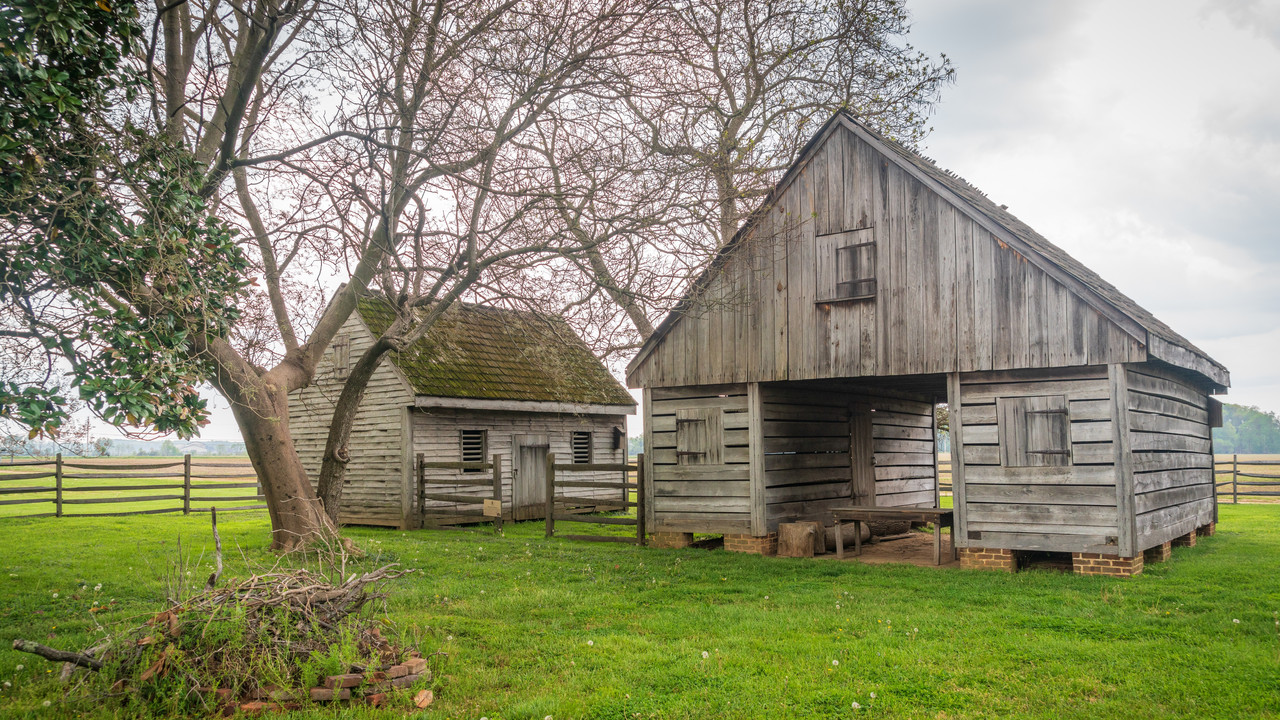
[[581, 448], [473, 446]]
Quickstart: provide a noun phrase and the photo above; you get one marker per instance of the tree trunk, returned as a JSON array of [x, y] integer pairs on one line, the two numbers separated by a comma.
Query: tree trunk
[[333, 469], [297, 518]]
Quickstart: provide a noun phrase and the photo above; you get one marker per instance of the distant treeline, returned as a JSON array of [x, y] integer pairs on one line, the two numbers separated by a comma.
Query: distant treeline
[[1247, 430]]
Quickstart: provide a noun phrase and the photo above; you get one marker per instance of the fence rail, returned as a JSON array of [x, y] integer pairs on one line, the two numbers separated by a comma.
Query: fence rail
[[559, 507], [1235, 488], [72, 488], [491, 507]]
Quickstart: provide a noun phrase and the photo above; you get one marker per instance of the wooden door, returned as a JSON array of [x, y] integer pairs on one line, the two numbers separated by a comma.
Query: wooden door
[[529, 478], [861, 456]]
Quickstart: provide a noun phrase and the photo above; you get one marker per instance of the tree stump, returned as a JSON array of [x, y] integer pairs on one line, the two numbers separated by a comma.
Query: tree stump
[[796, 539], [819, 537]]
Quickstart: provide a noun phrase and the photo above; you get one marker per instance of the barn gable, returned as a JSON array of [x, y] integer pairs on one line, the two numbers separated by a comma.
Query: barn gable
[[868, 260]]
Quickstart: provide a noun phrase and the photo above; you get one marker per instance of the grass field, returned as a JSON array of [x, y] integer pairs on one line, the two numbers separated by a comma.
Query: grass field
[[537, 628]]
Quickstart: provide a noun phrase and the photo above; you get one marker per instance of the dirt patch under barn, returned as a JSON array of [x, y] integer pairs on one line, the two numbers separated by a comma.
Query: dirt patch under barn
[[912, 548]]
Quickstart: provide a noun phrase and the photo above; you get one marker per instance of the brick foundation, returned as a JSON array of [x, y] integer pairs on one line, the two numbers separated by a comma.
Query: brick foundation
[[1188, 540], [766, 545], [1158, 554], [988, 559], [1098, 564], [670, 540], [1207, 530]]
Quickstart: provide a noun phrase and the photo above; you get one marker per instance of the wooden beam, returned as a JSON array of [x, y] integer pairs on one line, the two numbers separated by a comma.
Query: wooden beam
[[959, 532], [756, 473], [1126, 517]]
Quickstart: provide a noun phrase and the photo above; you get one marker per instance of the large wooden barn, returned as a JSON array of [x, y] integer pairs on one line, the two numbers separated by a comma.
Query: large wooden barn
[[801, 373], [483, 381]]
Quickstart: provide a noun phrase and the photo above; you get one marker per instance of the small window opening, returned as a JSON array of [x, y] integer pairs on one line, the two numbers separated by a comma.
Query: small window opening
[[581, 442], [856, 271], [474, 446], [1034, 431]]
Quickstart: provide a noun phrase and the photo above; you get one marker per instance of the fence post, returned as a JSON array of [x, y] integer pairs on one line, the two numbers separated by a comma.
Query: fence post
[[186, 484], [57, 476], [1235, 489], [551, 494], [640, 504], [497, 489]]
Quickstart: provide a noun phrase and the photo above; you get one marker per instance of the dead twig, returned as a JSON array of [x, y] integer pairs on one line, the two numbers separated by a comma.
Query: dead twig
[[48, 653]]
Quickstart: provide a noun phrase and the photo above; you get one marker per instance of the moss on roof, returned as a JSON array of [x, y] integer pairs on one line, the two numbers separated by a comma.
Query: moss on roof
[[480, 352]]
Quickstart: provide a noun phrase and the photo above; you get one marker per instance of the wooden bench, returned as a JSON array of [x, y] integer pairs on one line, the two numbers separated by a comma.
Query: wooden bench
[[940, 517]]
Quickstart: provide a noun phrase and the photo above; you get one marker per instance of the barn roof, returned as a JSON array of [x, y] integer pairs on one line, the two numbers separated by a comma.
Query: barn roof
[[488, 353], [1163, 342]]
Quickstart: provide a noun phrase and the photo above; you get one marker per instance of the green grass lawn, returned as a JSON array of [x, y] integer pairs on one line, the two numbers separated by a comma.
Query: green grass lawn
[[537, 627]]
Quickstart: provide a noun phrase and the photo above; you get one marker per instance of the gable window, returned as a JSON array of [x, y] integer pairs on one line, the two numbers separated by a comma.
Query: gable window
[[342, 357], [1034, 431], [474, 445], [846, 265], [581, 445], [699, 436]]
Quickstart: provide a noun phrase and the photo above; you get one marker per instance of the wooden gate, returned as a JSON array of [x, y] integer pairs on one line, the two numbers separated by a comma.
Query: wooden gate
[[561, 507], [453, 490]]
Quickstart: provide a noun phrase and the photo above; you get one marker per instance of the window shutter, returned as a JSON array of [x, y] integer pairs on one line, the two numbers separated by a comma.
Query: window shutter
[[699, 436], [1034, 431], [581, 446], [473, 446]]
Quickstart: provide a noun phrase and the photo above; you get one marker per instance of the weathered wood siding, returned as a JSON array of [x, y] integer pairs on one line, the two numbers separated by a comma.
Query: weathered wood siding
[[700, 497], [376, 490], [1070, 508], [436, 435], [803, 456], [906, 468], [950, 296], [1172, 462]]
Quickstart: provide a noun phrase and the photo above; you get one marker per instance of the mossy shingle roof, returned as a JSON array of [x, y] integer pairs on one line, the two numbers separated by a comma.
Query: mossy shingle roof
[[487, 353]]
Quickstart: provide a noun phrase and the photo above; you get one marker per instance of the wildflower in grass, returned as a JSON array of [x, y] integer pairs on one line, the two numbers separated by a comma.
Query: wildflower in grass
[[19, 668], [1235, 620], [835, 663], [97, 588], [873, 695], [46, 703], [855, 705], [8, 684], [591, 643], [705, 654]]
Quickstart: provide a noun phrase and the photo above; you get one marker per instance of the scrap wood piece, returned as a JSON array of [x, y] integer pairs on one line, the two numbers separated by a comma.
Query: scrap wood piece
[[48, 653], [423, 698]]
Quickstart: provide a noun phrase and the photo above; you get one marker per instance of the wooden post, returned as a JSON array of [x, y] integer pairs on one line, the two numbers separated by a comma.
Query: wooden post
[[1235, 489], [57, 477], [421, 474], [186, 484], [551, 494], [640, 503], [497, 489]]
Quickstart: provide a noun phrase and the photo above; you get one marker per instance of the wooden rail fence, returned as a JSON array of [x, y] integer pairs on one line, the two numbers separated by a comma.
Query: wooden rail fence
[[75, 483], [490, 509], [1253, 485], [560, 507]]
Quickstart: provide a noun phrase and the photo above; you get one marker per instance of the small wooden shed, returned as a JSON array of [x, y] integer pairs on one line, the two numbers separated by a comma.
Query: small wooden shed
[[802, 370], [485, 381]]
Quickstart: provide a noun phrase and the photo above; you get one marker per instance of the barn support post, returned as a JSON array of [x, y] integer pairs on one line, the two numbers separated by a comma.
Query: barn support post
[[641, 505], [186, 484], [1126, 515], [551, 494], [497, 490], [959, 529], [57, 477], [420, 474]]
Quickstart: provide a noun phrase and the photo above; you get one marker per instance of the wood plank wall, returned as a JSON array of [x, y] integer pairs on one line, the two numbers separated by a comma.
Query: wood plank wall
[[701, 498], [376, 479], [1062, 509], [436, 436], [1172, 462], [902, 438], [950, 296], [808, 453]]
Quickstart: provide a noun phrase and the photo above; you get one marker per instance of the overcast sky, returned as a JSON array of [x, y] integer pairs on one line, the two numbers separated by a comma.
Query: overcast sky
[[1141, 137]]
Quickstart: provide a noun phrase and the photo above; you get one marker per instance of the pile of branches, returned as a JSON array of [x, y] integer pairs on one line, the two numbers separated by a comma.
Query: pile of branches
[[276, 633]]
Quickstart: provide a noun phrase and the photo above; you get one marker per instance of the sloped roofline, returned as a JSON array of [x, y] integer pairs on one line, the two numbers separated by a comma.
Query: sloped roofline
[[1171, 348]]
